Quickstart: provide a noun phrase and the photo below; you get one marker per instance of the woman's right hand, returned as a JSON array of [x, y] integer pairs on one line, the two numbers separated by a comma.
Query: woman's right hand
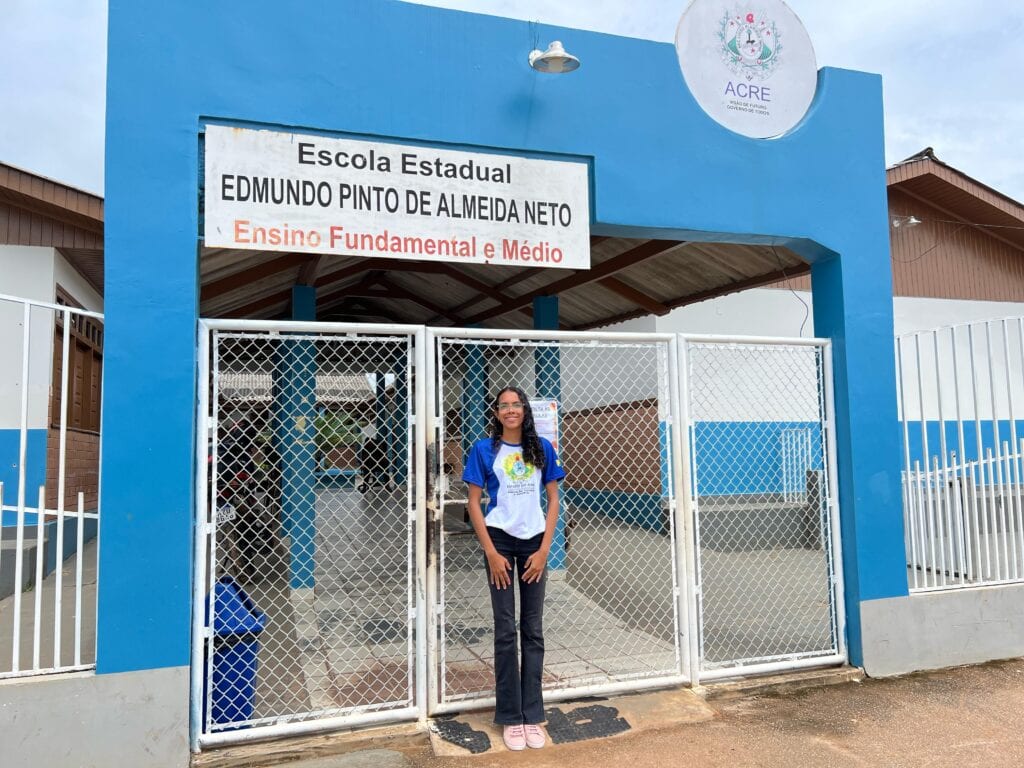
[[499, 567]]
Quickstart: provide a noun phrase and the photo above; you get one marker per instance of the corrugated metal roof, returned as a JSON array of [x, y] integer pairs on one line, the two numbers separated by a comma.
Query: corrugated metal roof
[[628, 277]]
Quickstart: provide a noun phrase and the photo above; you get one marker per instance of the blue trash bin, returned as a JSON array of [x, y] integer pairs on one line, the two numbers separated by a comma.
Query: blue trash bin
[[237, 625]]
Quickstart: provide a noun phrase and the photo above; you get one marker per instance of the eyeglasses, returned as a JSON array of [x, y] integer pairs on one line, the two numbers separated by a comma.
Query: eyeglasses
[[505, 407]]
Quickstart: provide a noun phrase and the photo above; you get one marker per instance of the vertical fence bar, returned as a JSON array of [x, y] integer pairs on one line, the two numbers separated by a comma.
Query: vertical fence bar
[[911, 508], [37, 608], [982, 496], [929, 500], [79, 545], [947, 502], [961, 469], [19, 557], [697, 642], [919, 491], [1018, 479], [834, 511], [210, 599], [434, 445], [61, 485], [420, 382], [1009, 515], [686, 547], [200, 532], [976, 513], [998, 504], [1012, 497], [991, 515], [935, 484]]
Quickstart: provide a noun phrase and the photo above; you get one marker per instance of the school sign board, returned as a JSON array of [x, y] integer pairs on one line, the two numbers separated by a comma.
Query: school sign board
[[276, 191]]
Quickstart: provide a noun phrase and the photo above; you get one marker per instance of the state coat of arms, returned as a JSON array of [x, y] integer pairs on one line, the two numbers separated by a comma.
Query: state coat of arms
[[750, 44]]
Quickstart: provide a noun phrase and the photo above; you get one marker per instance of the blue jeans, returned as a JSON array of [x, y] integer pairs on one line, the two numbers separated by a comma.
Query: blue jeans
[[517, 690]]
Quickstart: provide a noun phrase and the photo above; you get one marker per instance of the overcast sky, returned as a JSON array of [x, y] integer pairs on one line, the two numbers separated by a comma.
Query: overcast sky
[[952, 72]]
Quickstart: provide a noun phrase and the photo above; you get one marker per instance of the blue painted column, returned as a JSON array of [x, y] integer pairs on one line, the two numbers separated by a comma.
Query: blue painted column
[[295, 432], [853, 307], [547, 366]]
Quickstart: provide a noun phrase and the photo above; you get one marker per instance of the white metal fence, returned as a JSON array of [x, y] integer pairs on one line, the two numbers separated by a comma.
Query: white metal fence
[[961, 390], [769, 577], [338, 582], [307, 570], [616, 614], [49, 486]]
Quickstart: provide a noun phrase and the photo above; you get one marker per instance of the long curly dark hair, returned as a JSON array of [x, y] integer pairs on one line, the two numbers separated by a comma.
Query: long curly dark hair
[[533, 453]]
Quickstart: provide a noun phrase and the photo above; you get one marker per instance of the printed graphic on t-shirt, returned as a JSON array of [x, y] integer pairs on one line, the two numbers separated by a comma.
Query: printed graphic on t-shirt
[[520, 475], [514, 487]]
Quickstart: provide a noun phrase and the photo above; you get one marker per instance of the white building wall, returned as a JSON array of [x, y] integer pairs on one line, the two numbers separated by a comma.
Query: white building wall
[[26, 272], [785, 313]]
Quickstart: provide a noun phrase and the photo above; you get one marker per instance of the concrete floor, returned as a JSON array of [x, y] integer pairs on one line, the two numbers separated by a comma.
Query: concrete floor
[[46, 617]]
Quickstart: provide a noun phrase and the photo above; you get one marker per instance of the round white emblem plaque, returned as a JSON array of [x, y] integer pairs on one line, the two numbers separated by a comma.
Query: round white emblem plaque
[[750, 67]]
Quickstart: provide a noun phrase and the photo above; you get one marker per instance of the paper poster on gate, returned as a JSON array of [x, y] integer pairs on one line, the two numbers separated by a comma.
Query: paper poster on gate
[[302, 193], [545, 419]]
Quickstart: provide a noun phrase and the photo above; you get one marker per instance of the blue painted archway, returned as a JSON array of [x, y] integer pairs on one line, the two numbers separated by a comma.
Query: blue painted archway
[[660, 168]]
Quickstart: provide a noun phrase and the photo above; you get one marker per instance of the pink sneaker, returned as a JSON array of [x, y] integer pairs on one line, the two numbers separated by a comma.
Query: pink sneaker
[[514, 738], [535, 738]]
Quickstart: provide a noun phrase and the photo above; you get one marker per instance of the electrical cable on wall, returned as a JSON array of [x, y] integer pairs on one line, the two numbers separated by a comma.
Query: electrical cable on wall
[[807, 309]]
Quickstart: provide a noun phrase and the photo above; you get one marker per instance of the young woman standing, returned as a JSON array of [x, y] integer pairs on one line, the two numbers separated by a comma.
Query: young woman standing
[[520, 471]]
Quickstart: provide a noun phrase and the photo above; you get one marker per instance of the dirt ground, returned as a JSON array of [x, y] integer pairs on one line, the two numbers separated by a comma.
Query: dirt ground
[[968, 716]]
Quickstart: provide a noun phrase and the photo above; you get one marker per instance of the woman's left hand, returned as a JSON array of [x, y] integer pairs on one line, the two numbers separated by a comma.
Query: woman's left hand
[[535, 563]]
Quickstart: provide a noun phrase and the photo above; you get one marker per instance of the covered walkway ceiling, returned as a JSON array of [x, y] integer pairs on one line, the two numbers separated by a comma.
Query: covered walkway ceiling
[[628, 278]]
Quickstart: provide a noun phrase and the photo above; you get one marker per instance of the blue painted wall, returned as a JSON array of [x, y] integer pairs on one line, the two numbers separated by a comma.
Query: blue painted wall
[[387, 69], [745, 457], [35, 469]]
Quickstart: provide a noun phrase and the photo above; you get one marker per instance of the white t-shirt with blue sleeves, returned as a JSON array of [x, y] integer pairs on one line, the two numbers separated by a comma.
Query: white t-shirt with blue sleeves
[[514, 487]]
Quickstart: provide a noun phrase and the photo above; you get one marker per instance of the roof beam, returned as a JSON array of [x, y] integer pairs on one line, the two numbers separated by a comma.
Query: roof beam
[[528, 272], [634, 255], [259, 305], [307, 272], [693, 298], [394, 291], [241, 279], [639, 298]]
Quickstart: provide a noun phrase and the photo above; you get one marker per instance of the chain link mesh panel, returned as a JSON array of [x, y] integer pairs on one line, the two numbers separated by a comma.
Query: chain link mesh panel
[[765, 553], [610, 609], [311, 547]]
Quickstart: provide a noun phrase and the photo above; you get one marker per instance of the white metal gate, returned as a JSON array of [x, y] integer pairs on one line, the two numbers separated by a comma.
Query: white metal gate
[[307, 518], [49, 485], [768, 572], [616, 610], [329, 496]]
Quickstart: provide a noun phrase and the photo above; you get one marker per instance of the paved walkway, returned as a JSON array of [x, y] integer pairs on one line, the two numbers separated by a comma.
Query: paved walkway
[[27, 625]]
